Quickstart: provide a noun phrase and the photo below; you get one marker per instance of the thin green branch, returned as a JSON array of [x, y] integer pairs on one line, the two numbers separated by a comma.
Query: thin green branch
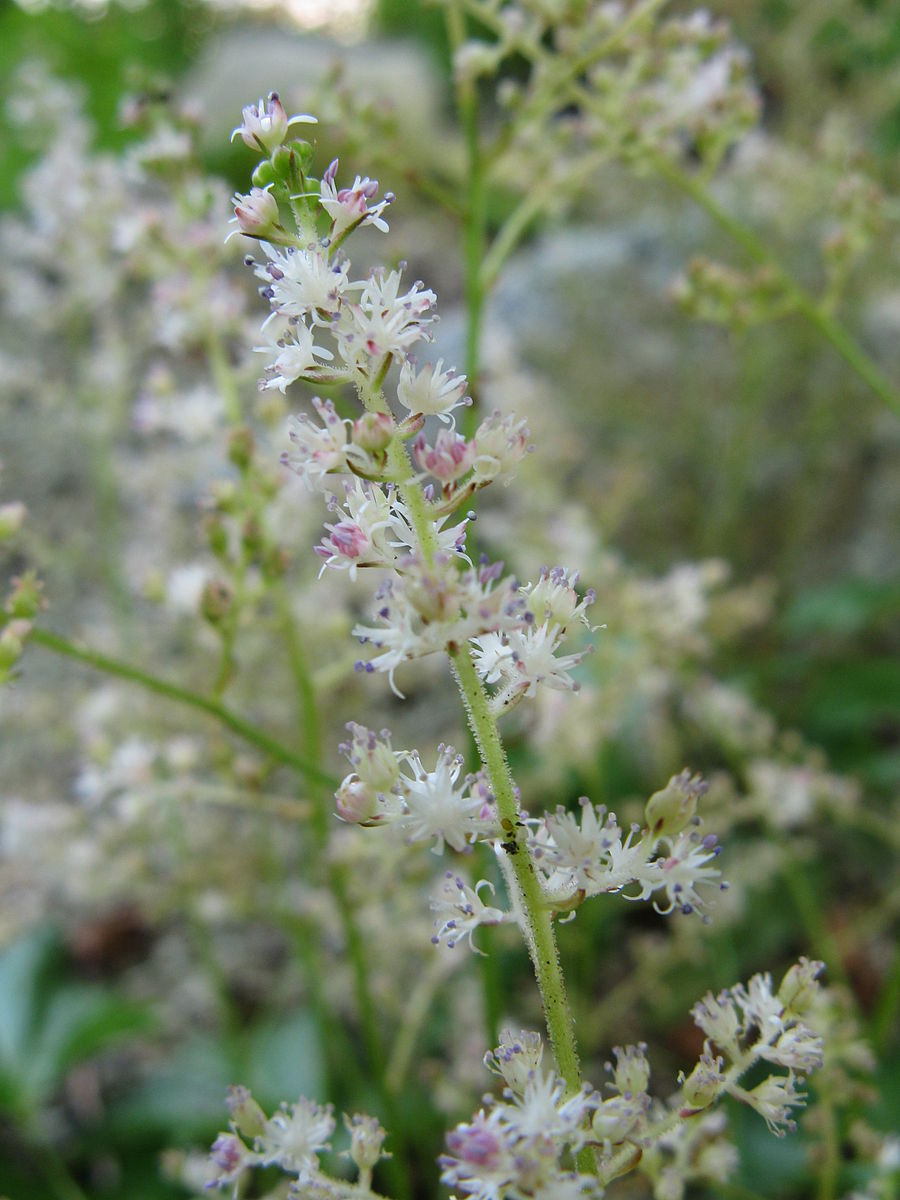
[[755, 248], [181, 695]]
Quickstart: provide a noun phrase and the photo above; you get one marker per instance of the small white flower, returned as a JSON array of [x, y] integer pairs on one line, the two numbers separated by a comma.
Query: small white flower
[[383, 321], [264, 126], [431, 390], [295, 353], [773, 1099], [348, 207], [435, 808], [322, 449], [461, 911], [303, 282], [294, 1135]]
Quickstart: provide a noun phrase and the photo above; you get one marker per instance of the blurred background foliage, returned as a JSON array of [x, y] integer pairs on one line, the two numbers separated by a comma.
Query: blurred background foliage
[[685, 443]]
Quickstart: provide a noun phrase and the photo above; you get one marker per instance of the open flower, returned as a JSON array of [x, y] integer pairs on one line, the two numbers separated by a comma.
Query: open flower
[[264, 126]]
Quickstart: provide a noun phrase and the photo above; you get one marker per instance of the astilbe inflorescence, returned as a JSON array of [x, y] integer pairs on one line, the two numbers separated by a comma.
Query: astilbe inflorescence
[[394, 512]]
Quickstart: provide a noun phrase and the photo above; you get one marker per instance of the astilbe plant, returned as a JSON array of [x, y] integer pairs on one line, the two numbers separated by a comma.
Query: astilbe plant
[[402, 513], [398, 478]]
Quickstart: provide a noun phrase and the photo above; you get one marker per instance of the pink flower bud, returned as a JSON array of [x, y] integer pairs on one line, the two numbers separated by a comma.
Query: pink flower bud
[[356, 803], [448, 459], [373, 431], [256, 213]]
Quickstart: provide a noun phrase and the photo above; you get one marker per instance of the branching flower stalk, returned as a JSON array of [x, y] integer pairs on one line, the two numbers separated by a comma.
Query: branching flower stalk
[[620, 82], [393, 510]]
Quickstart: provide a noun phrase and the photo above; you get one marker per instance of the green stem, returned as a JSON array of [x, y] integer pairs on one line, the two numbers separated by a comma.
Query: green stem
[[535, 915], [180, 695], [224, 377], [884, 1019], [755, 248], [310, 720]]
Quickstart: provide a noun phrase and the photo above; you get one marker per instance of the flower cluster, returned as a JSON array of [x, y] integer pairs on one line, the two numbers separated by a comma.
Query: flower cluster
[[513, 1147], [292, 1140], [516, 1147], [670, 856]]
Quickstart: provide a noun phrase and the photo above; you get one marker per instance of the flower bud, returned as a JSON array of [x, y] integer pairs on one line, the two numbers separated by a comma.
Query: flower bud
[[373, 432], [11, 518], [263, 175], [372, 757], [249, 1119], [672, 809], [356, 802], [516, 1059], [631, 1071], [240, 447], [215, 602], [26, 599], [799, 987], [257, 215], [703, 1085], [265, 125], [366, 1140]]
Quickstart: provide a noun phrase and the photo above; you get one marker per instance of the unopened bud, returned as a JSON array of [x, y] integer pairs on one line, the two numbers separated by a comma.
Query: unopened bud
[[373, 431], [673, 808], [249, 1119], [704, 1084], [799, 987], [356, 802], [215, 602], [366, 1140], [26, 598]]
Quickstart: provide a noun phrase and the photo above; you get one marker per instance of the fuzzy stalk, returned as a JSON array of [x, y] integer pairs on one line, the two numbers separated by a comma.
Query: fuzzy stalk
[[535, 916]]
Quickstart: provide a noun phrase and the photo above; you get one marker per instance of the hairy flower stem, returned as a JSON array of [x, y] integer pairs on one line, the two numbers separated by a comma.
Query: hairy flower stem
[[538, 924]]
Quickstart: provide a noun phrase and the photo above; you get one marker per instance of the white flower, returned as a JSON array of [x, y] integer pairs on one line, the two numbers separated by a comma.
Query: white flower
[[797, 1047], [294, 350], [516, 1058], [425, 608], [684, 867], [460, 911], [348, 207], [500, 444], [546, 1110], [535, 659], [293, 1136], [719, 1020], [481, 1161], [431, 390], [383, 321], [303, 282], [554, 598], [773, 1099], [323, 449], [435, 808], [264, 126]]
